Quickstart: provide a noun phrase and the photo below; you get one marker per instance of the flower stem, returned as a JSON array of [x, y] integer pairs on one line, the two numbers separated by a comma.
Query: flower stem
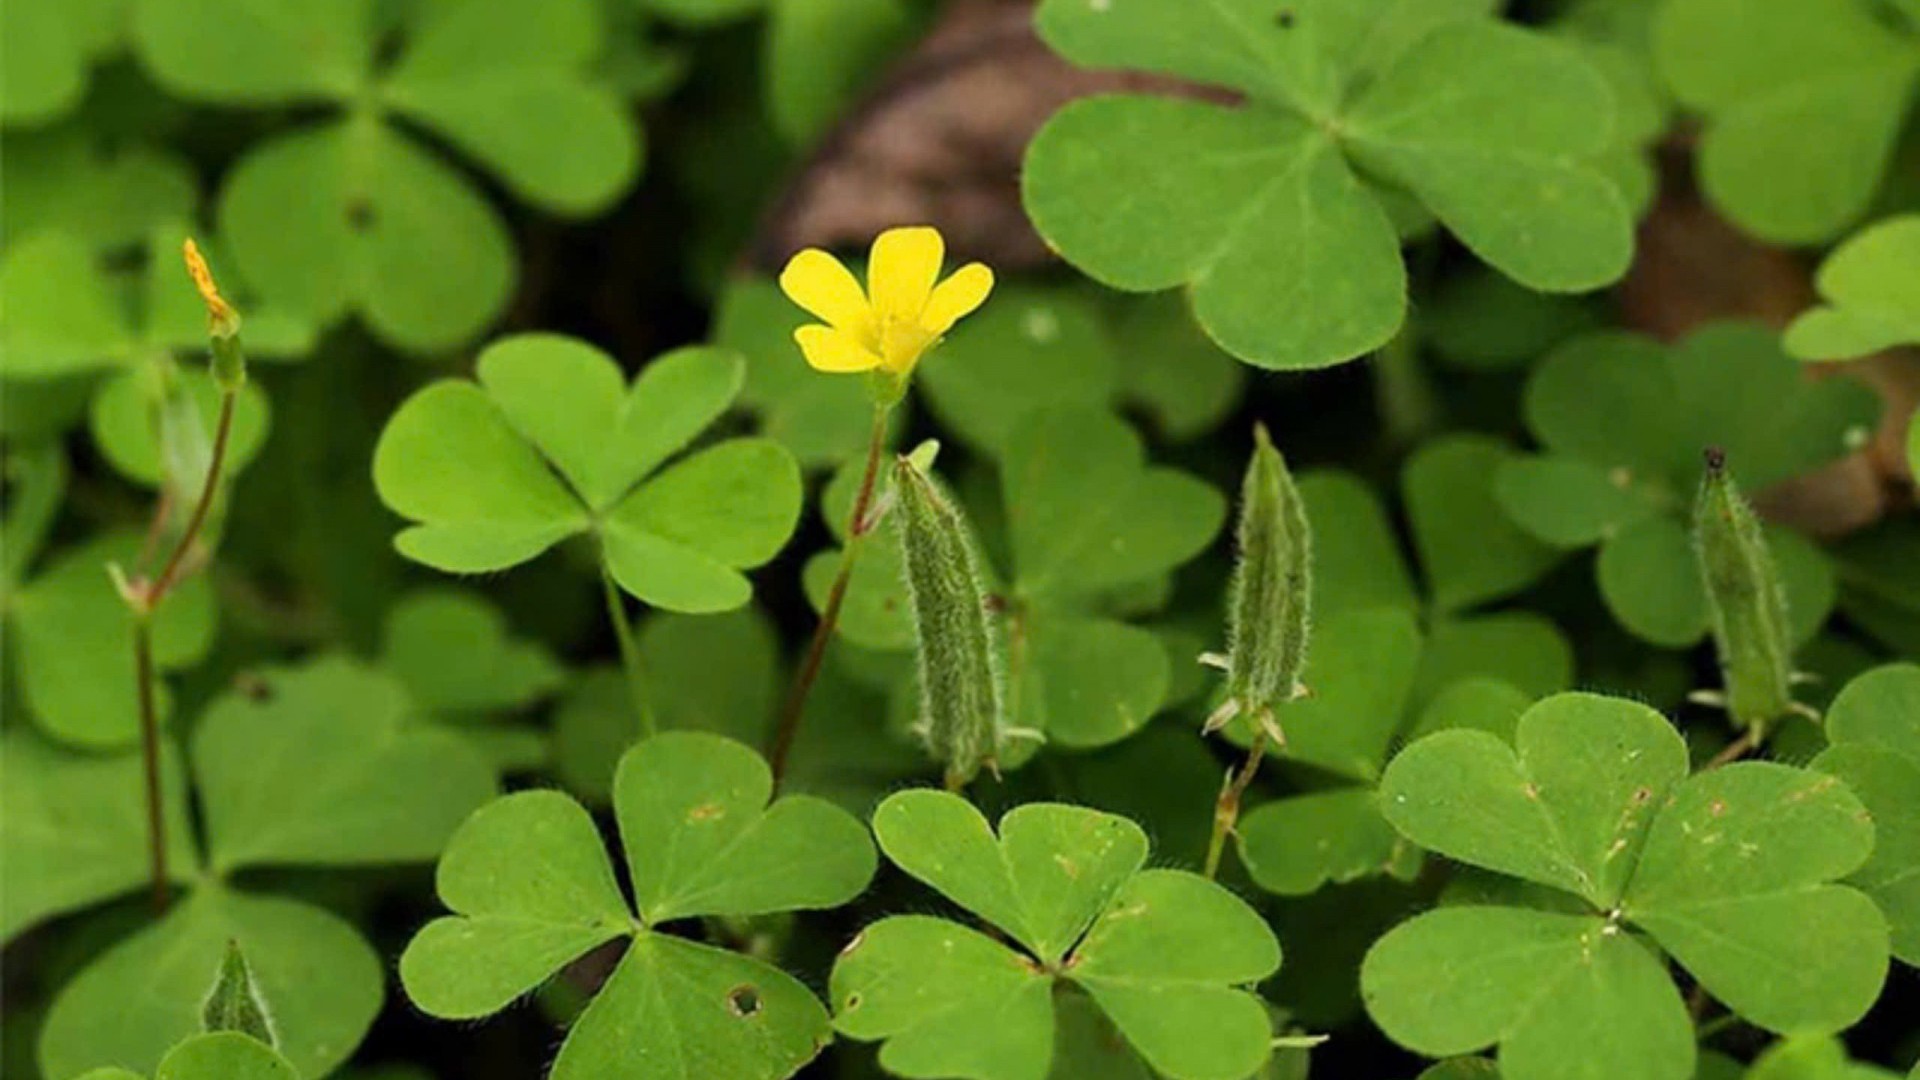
[[1226, 811], [150, 754], [1748, 741], [629, 654], [222, 434], [796, 702]]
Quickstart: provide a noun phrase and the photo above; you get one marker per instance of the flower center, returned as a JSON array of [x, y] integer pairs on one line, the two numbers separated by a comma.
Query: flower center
[[902, 341]]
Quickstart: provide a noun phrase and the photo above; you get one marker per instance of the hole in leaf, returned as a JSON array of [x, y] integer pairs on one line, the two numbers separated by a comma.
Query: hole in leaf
[[853, 1002], [254, 687], [743, 1001], [361, 216], [1285, 18]]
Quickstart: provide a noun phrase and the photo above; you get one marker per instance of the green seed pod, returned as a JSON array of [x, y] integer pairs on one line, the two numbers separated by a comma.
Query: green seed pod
[[961, 702], [234, 1003], [1270, 603], [1745, 600]]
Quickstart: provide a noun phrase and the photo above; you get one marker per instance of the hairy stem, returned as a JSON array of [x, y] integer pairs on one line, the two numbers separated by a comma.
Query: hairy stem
[[150, 755], [1226, 811], [795, 704], [1748, 741], [629, 653], [209, 489]]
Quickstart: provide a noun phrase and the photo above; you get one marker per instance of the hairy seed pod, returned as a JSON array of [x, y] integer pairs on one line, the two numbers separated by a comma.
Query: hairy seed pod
[[1270, 603], [1745, 600], [234, 1003], [961, 703]]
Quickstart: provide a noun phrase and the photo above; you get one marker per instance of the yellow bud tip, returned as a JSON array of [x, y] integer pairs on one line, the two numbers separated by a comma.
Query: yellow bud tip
[[221, 317]]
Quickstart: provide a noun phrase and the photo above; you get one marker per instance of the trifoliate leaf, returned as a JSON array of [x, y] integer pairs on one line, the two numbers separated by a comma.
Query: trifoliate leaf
[[1732, 883], [235, 51], [142, 996], [1727, 871], [323, 770], [1804, 101], [69, 625], [1566, 997], [1171, 370], [1471, 554], [353, 216], [225, 1056], [1162, 952], [501, 79], [61, 181], [470, 463], [1276, 212], [1870, 286], [713, 673], [1029, 349], [1624, 422], [531, 888], [73, 829], [62, 312], [1483, 321], [1543, 811], [455, 653], [1087, 512], [1356, 559], [1874, 726]]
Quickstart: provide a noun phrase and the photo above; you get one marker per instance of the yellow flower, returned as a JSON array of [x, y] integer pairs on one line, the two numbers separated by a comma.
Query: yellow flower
[[900, 316]]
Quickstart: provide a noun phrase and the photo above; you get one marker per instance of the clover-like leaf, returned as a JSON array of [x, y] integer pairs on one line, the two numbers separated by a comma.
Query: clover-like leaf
[[552, 443], [1172, 370], [321, 769], [1564, 996], [1729, 872], [454, 652], [142, 996], [225, 1055], [62, 181], [531, 888], [69, 625], [1804, 101], [73, 828], [1030, 349], [1870, 286], [1162, 952], [1086, 511], [1469, 553], [1624, 422], [353, 213], [1279, 212], [1874, 727]]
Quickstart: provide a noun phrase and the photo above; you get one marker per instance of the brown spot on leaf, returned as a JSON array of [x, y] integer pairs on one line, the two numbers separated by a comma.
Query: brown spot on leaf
[[706, 812]]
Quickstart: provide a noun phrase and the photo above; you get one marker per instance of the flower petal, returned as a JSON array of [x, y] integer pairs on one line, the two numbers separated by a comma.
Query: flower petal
[[957, 297], [819, 283], [902, 269], [833, 350]]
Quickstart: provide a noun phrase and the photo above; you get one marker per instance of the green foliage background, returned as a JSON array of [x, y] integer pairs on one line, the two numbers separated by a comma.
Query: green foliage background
[[518, 375]]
